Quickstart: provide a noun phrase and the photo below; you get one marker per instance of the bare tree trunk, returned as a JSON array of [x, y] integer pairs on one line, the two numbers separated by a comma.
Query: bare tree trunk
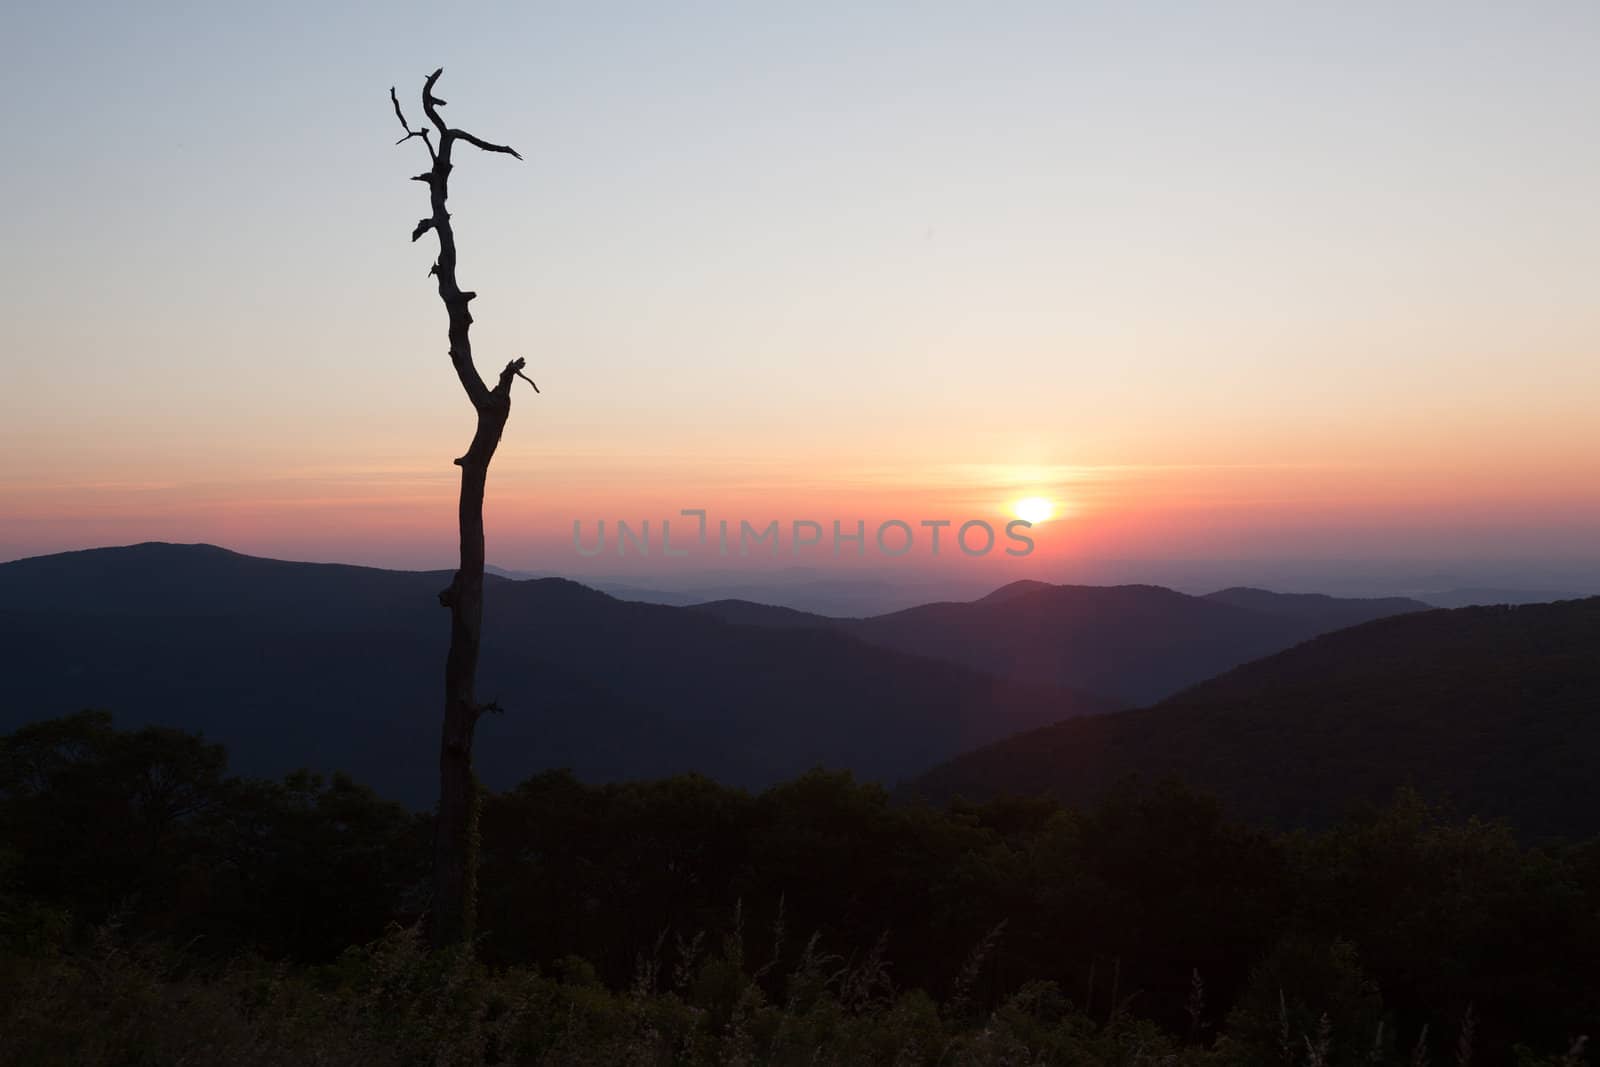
[[455, 835]]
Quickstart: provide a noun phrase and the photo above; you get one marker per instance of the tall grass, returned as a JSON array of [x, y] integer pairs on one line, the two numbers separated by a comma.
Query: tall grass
[[392, 1002]]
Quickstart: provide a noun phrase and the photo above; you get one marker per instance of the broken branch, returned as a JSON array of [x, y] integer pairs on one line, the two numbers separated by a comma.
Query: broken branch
[[410, 133], [485, 145]]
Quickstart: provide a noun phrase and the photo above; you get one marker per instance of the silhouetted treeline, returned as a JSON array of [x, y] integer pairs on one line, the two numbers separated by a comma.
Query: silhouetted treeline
[[1150, 905]]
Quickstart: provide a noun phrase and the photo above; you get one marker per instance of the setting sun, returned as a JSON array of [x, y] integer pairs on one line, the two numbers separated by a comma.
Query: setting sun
[[1033, 509]]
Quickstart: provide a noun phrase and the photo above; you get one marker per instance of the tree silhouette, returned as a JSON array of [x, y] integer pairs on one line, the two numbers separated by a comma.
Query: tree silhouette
[[455, 837]]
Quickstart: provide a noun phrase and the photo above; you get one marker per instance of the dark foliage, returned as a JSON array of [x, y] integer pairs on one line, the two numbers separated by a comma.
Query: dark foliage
[[1400, 916], [144, 829]]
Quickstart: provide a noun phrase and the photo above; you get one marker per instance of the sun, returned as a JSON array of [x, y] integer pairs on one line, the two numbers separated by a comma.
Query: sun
[[1033, 509]]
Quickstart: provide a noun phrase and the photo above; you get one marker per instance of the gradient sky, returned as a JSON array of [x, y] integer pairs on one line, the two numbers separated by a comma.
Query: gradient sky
[[1222, 280]]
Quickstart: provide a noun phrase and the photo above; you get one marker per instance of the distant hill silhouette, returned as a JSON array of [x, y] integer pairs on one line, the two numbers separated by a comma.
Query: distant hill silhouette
[[1134, 643], [1497, 709], [747, 613], [340, 667], [801, 588], [1325, 612], [1024, 587], [1472, 597]]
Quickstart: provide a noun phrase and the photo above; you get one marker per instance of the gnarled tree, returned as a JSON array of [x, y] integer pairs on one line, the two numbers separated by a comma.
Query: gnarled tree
[[455, 839]]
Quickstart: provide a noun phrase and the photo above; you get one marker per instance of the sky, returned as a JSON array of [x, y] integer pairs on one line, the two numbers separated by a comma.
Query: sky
[[1217, 281]]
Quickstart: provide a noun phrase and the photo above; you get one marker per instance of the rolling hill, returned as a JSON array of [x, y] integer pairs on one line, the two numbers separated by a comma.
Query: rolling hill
[[340, 668], [1134, 643], [1496, 709], [1317, 609]]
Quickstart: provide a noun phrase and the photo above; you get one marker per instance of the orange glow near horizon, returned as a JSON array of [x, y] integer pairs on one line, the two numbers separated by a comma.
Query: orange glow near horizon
[[404, 516]]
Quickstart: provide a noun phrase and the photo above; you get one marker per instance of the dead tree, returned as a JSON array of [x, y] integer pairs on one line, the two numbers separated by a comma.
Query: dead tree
[[455, 857]]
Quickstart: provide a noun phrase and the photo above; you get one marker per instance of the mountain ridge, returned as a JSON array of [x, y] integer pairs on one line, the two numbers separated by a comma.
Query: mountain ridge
[[339, 668], [1493, 708]]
